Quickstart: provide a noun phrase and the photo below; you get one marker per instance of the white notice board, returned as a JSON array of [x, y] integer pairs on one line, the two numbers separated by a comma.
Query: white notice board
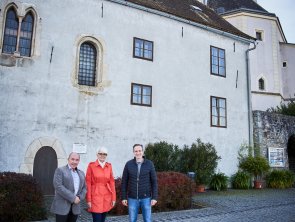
[[276, 157], [79, 148]]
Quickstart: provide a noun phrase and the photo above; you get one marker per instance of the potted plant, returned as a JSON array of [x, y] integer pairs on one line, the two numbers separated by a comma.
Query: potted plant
[[202, 159], [240, 180], [256, 166], [218, 182]]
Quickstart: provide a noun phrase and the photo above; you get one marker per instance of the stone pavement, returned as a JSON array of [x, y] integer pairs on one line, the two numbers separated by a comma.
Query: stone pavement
[[228, 206]]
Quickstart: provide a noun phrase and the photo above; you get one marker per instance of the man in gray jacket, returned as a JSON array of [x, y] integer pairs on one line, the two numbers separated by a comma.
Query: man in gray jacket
[[70, 189]]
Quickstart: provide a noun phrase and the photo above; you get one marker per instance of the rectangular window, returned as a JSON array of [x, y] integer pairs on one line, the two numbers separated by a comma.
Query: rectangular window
[[143, 49], [284, 64], [259, 35], [218, 112], [217, 61], [141, 94]]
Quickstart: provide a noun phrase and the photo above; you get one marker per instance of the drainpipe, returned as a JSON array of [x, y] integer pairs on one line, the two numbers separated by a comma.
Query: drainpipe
[[250, 115]]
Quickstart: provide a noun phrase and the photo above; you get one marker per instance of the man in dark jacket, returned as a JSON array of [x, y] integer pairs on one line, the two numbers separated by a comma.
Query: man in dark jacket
[[139, 185]]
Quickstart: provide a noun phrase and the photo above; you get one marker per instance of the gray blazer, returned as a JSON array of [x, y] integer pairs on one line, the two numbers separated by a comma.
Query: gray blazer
[[65, 192]]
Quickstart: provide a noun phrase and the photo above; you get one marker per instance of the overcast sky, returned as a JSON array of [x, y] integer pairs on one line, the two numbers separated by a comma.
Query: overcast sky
[[285, 10]]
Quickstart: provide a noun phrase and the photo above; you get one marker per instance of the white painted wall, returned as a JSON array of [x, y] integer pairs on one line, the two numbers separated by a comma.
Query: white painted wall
[[287, 55], [265, 60], [39, 100]]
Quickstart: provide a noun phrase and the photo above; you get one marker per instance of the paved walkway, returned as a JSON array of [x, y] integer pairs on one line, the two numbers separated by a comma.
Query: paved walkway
[[230, 206]]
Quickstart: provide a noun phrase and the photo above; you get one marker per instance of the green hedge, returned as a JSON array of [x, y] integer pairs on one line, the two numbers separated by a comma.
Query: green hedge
[[21, 198], [280, 179], [200, 158]]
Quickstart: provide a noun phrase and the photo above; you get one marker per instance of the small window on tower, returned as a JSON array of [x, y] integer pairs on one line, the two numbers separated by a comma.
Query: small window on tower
[[284, 64], [261, 84], [259, 35]]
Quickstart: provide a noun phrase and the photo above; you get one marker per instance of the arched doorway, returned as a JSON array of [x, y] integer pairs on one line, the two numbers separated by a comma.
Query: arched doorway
[[45, 163], [291, 153]]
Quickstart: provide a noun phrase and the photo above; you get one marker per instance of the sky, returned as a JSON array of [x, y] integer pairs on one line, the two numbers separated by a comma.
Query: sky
[[285, 10]]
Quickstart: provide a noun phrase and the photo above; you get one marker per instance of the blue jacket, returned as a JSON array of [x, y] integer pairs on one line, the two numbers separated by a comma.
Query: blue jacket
[[142, 186]]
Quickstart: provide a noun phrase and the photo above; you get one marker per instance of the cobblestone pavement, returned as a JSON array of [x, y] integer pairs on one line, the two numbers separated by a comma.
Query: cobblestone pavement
[[229, 206]]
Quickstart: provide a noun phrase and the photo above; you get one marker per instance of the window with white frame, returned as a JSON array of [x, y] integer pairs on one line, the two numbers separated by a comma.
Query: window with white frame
[[218, 112], [141, 94]]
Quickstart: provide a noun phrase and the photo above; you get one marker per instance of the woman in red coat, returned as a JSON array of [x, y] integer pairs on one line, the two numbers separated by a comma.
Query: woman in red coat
[[101, 193]]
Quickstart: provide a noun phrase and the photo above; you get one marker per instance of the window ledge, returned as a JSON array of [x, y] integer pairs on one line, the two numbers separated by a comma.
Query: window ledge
[[14, 60], [93, 90]]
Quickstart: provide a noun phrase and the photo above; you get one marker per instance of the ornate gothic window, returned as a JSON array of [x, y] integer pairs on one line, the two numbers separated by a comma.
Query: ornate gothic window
[[18, 40]]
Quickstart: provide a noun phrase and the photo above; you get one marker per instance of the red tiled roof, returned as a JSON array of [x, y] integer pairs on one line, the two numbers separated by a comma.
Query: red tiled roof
[[188, 9]]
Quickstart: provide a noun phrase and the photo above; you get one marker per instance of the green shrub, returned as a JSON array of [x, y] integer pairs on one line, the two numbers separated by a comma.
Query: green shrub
[[200, 158], [280, 179], [241, 180], [285, 109], [218, 182], [165, 156], [175, 193], [255, 166], [21, 198]]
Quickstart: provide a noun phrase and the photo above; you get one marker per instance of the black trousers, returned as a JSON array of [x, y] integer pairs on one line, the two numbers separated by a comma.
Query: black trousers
[[70, 217], [99, 217]]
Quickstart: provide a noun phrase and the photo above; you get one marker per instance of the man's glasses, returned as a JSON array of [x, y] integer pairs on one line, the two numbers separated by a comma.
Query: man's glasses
[[103, 154]]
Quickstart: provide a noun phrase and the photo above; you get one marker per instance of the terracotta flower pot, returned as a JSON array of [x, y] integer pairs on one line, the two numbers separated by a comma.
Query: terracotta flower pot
[[258, 184], [201, 188]]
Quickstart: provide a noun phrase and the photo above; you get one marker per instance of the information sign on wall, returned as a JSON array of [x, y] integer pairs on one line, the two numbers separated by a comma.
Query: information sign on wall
[[79, 148], [276, 157]]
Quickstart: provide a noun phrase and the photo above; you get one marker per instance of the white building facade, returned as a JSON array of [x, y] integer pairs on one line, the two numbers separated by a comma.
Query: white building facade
[[115, 73], [272, 74]]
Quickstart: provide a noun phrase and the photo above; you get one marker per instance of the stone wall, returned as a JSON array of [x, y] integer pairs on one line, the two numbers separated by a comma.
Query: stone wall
[[272, 130]]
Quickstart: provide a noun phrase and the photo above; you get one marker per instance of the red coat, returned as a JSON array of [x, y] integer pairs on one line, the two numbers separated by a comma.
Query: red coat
[[100, 187]]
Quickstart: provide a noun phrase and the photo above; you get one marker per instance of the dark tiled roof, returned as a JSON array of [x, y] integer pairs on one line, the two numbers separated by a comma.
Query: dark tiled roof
[[188, 9], [232, 5]]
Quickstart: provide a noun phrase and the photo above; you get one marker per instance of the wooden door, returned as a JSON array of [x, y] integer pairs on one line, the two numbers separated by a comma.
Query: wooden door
[[45, 163]]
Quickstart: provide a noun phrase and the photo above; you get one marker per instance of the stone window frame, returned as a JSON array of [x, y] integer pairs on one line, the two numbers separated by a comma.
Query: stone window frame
[[21, 10], [100, 77]]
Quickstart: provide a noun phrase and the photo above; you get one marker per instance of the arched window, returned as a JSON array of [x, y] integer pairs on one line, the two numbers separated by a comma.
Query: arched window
[[25, 42], [15, 40], [87, 64], [261, 84], [10, 32]]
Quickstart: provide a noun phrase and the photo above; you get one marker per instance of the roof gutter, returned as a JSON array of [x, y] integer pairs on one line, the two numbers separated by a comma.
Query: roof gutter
[[156, 12], [250, 116]]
